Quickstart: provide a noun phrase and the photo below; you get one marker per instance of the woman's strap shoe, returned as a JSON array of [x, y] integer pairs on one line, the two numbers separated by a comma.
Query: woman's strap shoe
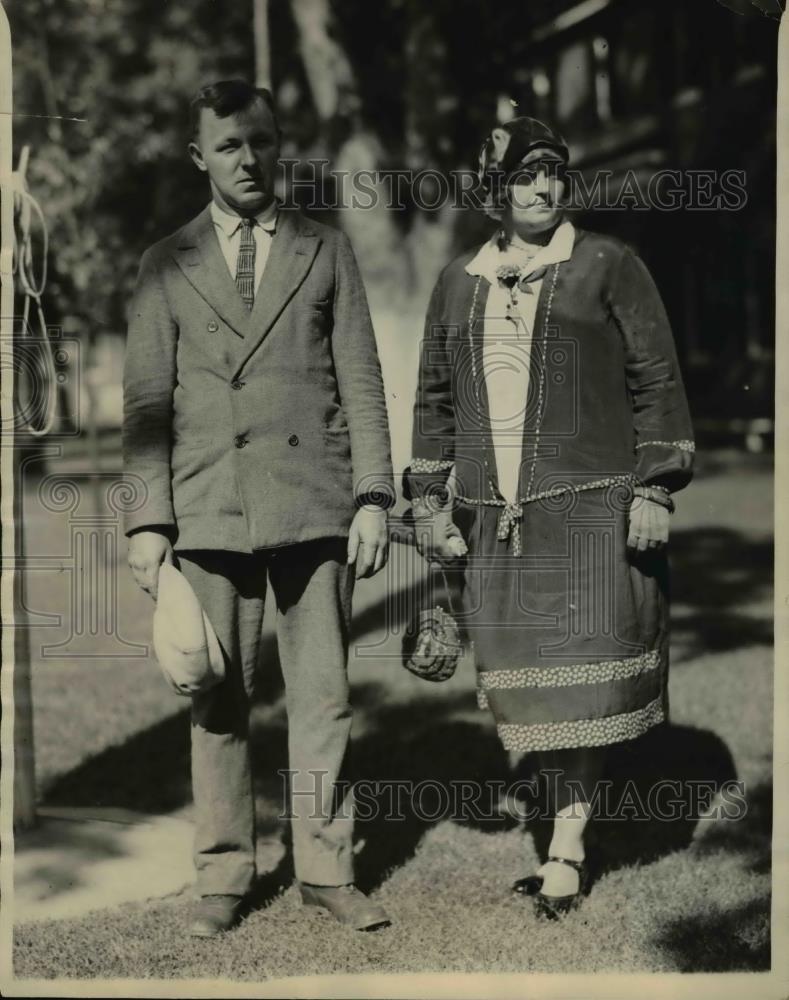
[[554, 907], [528, 886]]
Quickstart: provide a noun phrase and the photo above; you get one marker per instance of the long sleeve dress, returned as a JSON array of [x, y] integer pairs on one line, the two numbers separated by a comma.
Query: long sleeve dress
[[570, 628]]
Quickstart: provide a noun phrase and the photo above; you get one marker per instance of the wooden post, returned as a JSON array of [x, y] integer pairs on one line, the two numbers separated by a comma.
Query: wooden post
[[16, 687], [262, 47]]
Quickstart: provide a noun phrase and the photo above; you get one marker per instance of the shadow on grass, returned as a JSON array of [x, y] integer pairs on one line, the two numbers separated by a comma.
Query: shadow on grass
[[691, 765], [735, 939], [714, 573], [416, 759], [749, 835], [406, 742], [432, 739], [654, 790], [149, 772], [721, 941], [84, 846]]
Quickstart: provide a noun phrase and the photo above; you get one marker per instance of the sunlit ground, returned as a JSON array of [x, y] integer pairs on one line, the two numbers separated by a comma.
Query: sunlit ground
[[668, 896]]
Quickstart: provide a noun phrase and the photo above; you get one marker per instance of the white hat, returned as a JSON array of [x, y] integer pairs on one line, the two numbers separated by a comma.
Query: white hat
[[184, 640]]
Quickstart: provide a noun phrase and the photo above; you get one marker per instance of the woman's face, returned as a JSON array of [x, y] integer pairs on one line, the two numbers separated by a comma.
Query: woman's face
[[536, 197]]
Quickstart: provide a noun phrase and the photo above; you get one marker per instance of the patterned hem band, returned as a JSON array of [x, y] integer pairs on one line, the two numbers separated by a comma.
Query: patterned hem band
[[569, 674], [683, 445], [582, 732], [430, 465]]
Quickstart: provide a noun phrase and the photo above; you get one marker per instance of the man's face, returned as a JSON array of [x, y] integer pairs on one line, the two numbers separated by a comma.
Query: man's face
[[536, 193], [239, 153]]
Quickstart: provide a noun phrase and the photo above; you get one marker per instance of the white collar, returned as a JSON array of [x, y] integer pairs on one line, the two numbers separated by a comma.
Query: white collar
[[228, 223], [489, 258]]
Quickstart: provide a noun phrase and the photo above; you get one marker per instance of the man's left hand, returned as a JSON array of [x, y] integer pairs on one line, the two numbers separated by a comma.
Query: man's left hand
[[368, 542], [648, 525]]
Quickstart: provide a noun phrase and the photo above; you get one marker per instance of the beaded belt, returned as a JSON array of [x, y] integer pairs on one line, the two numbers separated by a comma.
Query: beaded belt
[[512, 511]]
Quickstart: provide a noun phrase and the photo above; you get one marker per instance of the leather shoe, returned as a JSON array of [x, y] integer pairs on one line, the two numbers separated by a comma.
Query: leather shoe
[[528, 886], [554, 907], [347, 904], [215, 915]]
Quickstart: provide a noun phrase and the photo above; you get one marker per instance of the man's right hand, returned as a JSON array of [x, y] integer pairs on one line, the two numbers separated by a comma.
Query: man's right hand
[[147, 551]]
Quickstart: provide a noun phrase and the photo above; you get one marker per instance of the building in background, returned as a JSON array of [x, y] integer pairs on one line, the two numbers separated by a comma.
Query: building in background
[[625, 81], [640, 87]]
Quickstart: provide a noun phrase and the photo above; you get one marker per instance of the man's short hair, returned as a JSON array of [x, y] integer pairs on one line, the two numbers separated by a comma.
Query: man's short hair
[[225, 98]]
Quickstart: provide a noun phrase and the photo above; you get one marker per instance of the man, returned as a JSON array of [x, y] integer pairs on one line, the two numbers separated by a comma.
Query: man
[[255, 416]]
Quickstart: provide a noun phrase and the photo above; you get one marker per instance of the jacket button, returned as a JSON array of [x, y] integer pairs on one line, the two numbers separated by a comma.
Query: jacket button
[[293, 440], [241, 441], [213, 326], [237, 383]]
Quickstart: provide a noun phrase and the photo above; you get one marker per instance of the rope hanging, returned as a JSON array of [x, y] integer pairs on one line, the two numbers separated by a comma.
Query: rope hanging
[[32, 286]]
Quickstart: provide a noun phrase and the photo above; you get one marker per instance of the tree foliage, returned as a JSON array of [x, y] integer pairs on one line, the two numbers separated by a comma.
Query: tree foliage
[[118, 178], [388, 84]]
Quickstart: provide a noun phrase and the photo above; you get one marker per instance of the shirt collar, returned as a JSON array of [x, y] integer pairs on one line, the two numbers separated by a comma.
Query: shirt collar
[[490, 258], [267, 219]]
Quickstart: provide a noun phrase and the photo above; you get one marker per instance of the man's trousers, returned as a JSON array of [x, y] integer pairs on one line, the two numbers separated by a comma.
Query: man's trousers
[[312, 585]]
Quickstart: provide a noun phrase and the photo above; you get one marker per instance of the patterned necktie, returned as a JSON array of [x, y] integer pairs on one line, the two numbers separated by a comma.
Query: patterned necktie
[[245, 265]]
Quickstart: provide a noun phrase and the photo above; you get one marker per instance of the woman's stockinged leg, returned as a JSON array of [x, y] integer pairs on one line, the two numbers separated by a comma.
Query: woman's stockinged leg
[[570, 775]]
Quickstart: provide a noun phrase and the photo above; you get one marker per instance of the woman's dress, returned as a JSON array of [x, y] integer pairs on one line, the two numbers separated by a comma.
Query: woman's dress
[[570, 627]]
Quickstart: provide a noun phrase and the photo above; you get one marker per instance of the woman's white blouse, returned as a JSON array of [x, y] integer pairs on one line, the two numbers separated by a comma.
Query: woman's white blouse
[[507, 343]]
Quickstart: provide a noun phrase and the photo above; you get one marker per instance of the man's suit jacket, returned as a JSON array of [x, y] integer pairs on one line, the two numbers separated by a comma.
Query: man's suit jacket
[[253, 429]]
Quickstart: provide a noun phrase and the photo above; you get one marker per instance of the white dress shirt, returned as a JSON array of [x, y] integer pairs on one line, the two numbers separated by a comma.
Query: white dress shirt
[[228, 231], [506, 350]]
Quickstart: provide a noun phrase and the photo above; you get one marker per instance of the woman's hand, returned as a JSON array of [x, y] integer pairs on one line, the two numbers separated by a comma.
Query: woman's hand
[[648, 524], [438, 538]]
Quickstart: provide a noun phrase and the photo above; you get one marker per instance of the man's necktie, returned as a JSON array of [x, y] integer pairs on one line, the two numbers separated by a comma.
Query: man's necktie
[[245, 266]]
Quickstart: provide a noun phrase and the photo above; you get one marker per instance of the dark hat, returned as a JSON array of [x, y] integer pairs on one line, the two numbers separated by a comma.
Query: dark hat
[[508, 146]]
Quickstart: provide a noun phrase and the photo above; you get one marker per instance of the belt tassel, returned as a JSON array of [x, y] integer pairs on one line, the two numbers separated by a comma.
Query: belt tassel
[[509, 526]]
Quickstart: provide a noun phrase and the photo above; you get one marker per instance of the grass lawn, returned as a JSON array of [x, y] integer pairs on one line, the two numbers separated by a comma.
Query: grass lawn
[[669, 896]]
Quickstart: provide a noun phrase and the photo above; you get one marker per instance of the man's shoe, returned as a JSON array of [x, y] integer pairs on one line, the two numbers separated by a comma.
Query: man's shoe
[[215, 915], [347, 904]]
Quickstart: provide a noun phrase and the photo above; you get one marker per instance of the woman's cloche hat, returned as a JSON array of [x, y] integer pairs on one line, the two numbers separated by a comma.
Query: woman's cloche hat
[[510, 146]]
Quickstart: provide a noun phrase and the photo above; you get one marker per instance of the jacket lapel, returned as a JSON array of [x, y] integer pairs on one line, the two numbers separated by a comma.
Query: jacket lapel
[[198, 254], [292, 252], [475, 342]]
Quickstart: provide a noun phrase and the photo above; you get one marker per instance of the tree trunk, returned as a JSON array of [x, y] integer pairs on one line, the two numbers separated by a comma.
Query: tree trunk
[[378, 241], [262, 50]]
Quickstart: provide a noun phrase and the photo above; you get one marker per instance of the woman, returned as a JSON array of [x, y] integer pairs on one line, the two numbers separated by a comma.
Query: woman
[[549, 382]]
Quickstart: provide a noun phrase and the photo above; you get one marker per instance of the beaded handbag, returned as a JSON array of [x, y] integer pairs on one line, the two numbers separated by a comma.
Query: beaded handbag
[[432, 644]]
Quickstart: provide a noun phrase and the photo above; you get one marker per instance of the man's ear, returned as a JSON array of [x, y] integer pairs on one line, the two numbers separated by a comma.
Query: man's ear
[[197, 156]]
